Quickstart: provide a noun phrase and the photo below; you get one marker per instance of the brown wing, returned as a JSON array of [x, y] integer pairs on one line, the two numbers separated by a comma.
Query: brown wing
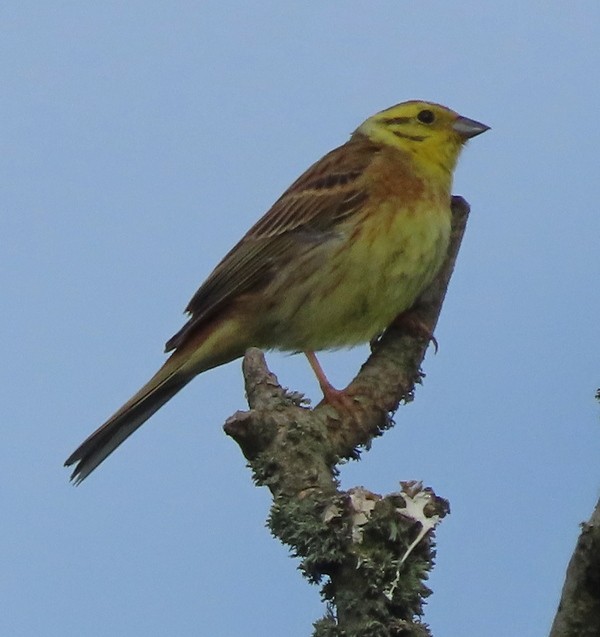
[[328, 192]]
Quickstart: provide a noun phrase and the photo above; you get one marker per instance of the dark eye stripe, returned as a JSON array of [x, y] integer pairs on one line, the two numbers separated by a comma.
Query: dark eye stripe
[[414, 138], [396, 120]]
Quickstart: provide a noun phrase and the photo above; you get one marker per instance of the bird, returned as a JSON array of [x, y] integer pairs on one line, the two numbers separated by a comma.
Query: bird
[[348, 247]]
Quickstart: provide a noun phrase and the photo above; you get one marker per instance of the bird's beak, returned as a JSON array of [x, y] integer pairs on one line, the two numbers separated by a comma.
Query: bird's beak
[[468, 128]]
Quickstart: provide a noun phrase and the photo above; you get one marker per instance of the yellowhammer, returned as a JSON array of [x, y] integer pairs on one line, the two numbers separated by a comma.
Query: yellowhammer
[[348, 247]]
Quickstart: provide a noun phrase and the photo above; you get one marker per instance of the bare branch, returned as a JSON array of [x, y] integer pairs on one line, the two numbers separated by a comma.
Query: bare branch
[[578, 612]]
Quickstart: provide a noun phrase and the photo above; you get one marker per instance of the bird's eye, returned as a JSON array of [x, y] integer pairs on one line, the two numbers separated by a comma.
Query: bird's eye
[[426, 116]]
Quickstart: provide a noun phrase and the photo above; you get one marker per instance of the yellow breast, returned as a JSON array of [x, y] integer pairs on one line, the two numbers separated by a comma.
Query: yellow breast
[[350, 286]]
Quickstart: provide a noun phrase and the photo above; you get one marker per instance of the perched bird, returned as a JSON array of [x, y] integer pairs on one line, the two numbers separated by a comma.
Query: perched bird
[[348, 247]]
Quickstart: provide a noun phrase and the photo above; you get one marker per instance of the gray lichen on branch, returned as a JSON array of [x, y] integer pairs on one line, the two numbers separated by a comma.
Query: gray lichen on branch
[[357, 544]]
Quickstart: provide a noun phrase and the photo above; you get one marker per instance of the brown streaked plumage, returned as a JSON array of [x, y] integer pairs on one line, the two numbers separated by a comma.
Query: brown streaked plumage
[[327, 193], [349, 245]]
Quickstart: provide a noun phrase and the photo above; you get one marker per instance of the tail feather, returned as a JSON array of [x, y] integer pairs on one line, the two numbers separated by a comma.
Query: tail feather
[[124, 422], [209, 346]]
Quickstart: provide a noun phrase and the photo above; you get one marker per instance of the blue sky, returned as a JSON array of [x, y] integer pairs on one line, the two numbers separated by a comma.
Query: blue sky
[[139, 141]]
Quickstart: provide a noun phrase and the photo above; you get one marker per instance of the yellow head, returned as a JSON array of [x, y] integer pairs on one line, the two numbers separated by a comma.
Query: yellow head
[[433, 134]]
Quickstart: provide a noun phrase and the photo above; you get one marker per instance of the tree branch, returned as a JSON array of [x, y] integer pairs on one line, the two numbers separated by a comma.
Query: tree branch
[[372, 552], [578, 612]]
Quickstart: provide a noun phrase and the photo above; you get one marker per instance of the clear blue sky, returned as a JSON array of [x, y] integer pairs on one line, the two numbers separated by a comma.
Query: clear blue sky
[[139, 141]]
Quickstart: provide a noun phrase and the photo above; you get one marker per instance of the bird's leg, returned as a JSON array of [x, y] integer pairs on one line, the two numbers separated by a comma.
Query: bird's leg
[[335, 397], [326, 387]]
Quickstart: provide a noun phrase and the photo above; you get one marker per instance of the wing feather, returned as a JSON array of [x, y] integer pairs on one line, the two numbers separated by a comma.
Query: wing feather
[[331, 190]]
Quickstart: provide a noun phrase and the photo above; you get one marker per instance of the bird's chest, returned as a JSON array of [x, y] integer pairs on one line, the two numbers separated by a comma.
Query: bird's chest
[[400, 252], [380, 268]]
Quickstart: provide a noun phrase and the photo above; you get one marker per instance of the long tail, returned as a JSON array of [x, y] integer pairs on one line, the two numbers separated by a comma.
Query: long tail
[[215, 344], [132, 415]]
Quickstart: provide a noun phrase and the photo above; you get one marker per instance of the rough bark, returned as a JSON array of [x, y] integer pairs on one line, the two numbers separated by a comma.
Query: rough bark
[[371, 553], [578, 612]]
